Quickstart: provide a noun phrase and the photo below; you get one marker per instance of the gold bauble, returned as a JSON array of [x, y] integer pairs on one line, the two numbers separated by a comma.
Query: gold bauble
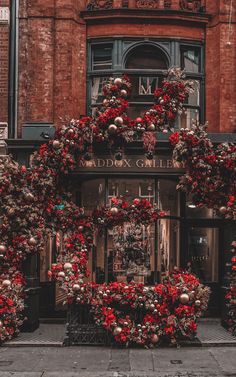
[[197, 302], [118, 81], [32, 241], [123, 93], [67, 266], [119, 121], [223, 210], [61, 274], [6, 283], [155, 338], [184, 298], [3, 249], [114, 210], [56, 144], [117, 330], [29, 196], [76, 287], [151, 127]]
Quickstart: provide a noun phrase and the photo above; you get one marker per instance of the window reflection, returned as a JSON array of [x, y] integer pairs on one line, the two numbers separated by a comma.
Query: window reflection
[[203, 252]]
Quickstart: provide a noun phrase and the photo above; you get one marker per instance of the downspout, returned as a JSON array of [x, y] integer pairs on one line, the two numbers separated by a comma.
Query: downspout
[[16, 69], [12, 72]]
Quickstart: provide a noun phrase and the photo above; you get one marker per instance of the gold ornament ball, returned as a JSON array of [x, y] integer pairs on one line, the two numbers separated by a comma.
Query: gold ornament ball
[[32, 241], [118, 81], [184, 298], [117, 330], [76, 287], [112, 129], [61, 274], [3, 249], [114, 210], [197, 302], [67, 266], [119, 121], [223, 210], [155, 338], [151, 127], [6, 283], [29, 196], [123, 93], [56, 144]]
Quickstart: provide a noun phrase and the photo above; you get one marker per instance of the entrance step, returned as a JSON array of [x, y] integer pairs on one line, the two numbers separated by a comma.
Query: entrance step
[[50, 335], [211, 334]]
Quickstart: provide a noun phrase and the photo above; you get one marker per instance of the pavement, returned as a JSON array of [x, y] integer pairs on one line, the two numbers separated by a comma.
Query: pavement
[[114, 362]]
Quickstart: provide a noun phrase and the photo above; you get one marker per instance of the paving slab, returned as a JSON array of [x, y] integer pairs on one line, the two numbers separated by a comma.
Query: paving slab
[[21, 374], [141, 361], [132, 374], [226, 359], [184, 359]]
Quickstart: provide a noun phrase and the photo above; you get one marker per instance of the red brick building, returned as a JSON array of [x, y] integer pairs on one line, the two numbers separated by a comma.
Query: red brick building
[[60, 54]]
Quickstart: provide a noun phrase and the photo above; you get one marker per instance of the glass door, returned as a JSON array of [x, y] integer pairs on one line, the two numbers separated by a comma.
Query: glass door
[[203, 256]]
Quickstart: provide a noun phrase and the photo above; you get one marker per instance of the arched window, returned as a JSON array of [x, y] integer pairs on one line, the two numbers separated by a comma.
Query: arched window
[[146, 57], [145, 64]]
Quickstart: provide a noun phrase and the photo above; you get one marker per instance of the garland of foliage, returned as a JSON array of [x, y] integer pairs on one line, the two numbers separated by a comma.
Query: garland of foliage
[[33, 204]]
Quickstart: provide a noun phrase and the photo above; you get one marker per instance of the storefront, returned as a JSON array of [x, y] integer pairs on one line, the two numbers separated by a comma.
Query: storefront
[[187, 237]]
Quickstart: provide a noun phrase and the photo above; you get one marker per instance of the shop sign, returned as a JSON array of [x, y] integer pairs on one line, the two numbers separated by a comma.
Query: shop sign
[[128, 163]]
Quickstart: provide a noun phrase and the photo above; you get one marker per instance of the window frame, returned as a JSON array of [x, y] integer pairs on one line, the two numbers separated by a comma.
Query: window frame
[[123, 46]]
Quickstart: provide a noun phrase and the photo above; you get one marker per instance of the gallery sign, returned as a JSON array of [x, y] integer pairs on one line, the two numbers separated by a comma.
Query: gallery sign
[[128, 164]]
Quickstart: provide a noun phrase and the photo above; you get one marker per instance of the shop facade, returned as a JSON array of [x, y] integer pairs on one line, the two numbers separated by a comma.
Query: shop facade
[[142, 40]]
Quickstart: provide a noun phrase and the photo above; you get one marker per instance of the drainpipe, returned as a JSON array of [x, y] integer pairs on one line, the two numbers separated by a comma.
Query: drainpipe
[[13, 61]]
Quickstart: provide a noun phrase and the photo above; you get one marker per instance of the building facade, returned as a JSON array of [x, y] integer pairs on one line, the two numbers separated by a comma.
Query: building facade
[[55, 58]]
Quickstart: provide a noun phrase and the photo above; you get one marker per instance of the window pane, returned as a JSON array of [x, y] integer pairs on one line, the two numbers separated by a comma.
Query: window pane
[[96, 89], [190, 59], [147, 85], [168, 240], [194, 97], [102, 57], [186, 118], [203, 253], [146, 57], [168, 197]]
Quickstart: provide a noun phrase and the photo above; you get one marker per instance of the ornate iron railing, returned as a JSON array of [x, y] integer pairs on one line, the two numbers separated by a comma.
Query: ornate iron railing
[[197, 6]]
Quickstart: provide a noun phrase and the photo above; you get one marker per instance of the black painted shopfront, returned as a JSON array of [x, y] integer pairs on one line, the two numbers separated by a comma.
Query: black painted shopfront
[[187, 237]]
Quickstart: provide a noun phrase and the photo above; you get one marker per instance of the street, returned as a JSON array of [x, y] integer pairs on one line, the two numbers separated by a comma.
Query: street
[[114, 362]]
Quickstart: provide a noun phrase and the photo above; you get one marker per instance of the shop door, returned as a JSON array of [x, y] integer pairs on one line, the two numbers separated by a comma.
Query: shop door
[[204, 255]]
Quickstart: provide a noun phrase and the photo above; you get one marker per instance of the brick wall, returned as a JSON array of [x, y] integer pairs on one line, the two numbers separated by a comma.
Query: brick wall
[[52, 62], [4, 40]]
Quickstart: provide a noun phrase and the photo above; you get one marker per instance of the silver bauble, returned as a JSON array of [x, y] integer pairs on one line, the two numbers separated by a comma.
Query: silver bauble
[[197, 302], [112, 129]]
